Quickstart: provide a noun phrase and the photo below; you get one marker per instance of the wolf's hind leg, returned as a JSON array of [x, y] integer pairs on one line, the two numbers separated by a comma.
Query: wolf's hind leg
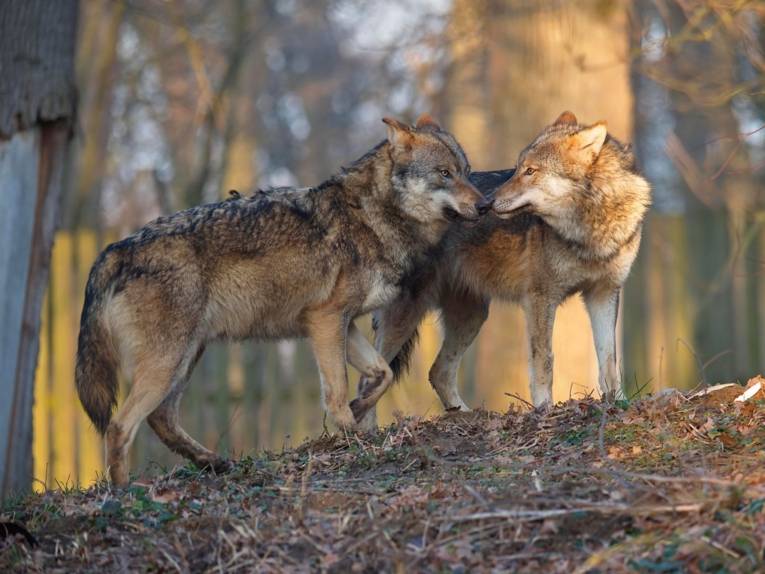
[[374, 369], [327, 331], [603, 308], [462, 315], [165, 421], [151, 384]]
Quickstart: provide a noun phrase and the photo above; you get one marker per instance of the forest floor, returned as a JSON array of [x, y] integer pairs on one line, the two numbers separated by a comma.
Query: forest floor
[[672, 483]]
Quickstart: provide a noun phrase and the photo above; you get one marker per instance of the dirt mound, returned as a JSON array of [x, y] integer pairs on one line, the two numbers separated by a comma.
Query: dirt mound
[[672, 483]]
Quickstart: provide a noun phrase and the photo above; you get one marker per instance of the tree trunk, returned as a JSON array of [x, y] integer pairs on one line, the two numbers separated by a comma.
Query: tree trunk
[[37, 108], [97, 64]]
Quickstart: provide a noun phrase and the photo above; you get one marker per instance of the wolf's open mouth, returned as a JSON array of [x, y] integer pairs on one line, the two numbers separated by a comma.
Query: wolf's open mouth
[[515, 211]]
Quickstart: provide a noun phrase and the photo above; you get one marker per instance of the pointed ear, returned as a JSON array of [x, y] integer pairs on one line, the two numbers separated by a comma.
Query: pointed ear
[[566, 118], [587, 143], [426, 120], [398, 132]]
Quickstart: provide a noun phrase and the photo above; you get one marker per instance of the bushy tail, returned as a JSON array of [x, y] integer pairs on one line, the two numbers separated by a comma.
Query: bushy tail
[[97, 361], [400, 363]]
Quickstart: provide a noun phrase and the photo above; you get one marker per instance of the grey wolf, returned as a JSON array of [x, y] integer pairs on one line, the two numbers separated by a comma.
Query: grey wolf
[[568, 220], [279, 264]]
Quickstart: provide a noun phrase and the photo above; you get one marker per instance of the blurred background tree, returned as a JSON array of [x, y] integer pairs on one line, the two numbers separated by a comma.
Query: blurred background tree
[[182, 101]]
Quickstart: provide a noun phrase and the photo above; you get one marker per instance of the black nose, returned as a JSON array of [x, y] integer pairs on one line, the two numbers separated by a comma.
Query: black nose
[[484, 206]]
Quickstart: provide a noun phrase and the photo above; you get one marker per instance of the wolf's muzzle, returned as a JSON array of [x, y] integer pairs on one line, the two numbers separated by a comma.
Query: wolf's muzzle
[[483, 206]]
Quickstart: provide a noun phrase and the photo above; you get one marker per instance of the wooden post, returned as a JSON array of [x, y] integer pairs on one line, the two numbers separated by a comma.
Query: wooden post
[[37, 104]]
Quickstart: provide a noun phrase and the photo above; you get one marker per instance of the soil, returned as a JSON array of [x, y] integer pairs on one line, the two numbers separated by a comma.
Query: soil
[[670, 483]]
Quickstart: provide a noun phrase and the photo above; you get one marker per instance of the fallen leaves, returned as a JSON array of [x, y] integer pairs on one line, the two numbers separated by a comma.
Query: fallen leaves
[[668, 483]]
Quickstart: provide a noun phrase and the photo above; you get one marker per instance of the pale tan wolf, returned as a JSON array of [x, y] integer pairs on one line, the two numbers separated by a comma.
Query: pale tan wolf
[[568, 221], [279, 264]]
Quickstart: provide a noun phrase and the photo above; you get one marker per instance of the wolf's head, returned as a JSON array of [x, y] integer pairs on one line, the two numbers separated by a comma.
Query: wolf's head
[[430, 173], [553, 170]]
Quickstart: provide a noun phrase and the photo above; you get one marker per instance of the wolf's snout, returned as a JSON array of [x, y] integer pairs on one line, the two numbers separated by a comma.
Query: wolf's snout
[[483, 206]]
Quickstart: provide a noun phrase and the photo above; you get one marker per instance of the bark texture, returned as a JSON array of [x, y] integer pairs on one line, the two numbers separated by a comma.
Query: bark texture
[[37, 82]]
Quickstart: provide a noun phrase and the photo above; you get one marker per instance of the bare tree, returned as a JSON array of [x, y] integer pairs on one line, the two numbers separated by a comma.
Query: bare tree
[[37, 110]]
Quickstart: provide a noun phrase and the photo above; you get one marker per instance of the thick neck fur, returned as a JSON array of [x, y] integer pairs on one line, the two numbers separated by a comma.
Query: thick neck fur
[[371, 186], [604, 211]]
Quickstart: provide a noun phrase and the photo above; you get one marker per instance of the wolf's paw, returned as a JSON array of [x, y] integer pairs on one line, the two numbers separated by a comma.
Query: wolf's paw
[[458, 408], [359, 409], [217, 464], [344, 418], [612, 396], [368, 423], [223, 465], [544, 408]]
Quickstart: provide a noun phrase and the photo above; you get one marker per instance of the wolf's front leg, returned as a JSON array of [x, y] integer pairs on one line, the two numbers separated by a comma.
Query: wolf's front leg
[[603, 308], [462, 315], [540, 317], [395, 336], [327, 331], [376, 373]]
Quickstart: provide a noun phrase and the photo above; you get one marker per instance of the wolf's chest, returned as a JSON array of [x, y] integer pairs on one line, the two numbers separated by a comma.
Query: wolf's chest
[[380, 292]]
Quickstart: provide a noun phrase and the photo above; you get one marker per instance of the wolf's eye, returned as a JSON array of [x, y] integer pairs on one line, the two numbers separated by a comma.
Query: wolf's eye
[[529, 171], [445, 173]]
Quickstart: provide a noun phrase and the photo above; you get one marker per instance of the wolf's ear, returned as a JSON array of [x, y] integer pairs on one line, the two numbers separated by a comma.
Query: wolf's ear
[[426, 120], [566, 118], [587, 143], [398, 132]]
